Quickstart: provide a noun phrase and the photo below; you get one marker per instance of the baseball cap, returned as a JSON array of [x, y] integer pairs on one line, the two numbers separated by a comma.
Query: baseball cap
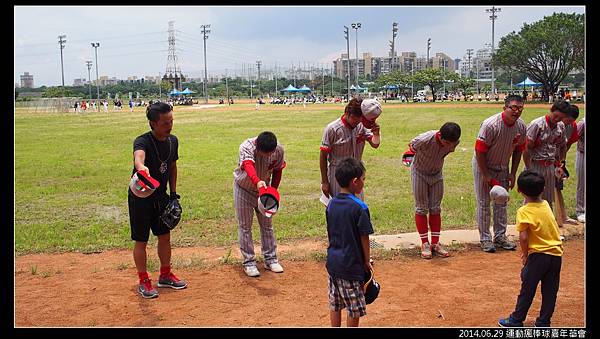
[[371, 287], [142, 184], [408, 157], [268, 201], [499, 194], [371, 110]]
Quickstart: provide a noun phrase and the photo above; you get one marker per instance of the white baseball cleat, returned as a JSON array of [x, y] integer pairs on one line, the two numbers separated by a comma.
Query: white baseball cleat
[[274, 267], [581, 218], [251, 271]]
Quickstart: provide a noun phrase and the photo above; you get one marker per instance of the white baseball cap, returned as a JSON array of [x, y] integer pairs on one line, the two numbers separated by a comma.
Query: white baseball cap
[[371, 109], [142, 185], [499, 194]]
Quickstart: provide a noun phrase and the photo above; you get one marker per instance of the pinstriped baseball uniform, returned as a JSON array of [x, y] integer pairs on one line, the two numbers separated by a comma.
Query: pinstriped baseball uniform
[[580, 168], [340, 141], [426, 172], [500, 140], [571, 136], [547, 141], [245, 198]]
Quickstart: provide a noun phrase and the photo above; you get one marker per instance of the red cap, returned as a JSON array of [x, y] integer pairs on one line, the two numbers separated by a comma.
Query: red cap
[[268, 201], [142, 184]]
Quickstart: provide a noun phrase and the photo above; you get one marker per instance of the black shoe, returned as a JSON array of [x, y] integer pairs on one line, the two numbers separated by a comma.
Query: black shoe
[[508, 322], [488, 246], [146, 289], [502, 241], [171, 281]]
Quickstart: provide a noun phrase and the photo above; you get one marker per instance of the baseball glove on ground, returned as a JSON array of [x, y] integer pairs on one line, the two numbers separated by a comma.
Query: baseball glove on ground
[[171, 214]]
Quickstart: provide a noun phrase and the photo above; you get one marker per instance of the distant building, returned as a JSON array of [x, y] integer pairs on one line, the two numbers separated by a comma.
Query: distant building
[[154, 79], [104, 80], [371, 67], [27, 80], [79, 82]]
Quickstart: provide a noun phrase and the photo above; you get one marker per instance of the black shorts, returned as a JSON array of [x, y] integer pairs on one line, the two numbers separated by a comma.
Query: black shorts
[[144, 215]]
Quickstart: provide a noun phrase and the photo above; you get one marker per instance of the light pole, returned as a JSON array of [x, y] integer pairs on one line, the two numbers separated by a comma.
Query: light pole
[[204, 32], [477, 71], [346, 35], [356, 26], [227, 88], [96, 45], [331, 74], [394, 34], [61, 42], [89, 66], [323, 79], [276, 70], [493, 17], [412, 72], [444, 61], [428, 48], [258, 62]]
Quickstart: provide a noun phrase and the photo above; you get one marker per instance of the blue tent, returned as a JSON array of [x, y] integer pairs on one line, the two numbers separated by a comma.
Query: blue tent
[[290, 88], [186, 91], [174, 92], [528, 82], [304, 89], [392, 87]]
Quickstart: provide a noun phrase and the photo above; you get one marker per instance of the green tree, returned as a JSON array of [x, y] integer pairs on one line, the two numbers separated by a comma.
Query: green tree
[[434, 78], [57, 92], [546, 50], [464, 84]]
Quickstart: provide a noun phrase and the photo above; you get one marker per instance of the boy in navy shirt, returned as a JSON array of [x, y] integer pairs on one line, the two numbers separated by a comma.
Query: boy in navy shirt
[[348, 254]]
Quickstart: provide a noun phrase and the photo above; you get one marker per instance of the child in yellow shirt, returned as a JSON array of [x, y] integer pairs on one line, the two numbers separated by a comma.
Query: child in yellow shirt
[[541, 252]]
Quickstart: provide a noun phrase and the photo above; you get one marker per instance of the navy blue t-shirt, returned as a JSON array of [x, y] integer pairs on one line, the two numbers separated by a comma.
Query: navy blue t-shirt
[[347, 219]]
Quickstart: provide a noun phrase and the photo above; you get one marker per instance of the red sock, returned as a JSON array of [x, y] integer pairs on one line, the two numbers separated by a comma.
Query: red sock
[[435, 223], [421, 221], [164, 271], [143, 276]]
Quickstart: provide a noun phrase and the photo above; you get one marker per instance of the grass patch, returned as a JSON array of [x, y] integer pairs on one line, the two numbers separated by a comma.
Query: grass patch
[[71, 193]]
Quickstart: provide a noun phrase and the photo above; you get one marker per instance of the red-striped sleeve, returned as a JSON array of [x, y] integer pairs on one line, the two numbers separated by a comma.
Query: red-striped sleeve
[[480, 146], [248, 166], [276, 179]]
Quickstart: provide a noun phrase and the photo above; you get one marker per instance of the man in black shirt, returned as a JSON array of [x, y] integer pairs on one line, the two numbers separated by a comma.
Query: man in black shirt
[[155, 152]]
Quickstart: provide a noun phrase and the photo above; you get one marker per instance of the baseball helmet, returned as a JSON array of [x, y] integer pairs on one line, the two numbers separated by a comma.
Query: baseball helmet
[[142, 184], [268, 201], [371, 287], [499, 194], [371, 110], [407, 158]]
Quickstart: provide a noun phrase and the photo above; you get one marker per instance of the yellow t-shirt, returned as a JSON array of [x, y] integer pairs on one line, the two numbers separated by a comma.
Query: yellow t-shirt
[[542, 230]]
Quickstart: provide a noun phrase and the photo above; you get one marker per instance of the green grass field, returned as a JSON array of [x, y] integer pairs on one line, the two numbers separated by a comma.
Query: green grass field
[[72, 172]]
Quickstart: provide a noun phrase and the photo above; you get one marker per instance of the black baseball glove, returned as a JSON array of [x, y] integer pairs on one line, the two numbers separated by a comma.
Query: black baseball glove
[[171, 214]]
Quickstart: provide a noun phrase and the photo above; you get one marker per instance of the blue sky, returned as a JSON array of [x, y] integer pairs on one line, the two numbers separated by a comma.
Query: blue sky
[[133, 39]]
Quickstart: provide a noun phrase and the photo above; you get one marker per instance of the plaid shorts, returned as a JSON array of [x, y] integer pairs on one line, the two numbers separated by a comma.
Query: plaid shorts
[[347, 293]]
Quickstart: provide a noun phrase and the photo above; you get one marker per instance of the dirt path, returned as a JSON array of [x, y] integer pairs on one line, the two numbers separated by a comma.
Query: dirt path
[[469, 289]]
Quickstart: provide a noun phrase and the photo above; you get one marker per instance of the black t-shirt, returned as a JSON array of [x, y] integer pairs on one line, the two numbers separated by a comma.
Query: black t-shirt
[[348, 219], [167, 153]]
